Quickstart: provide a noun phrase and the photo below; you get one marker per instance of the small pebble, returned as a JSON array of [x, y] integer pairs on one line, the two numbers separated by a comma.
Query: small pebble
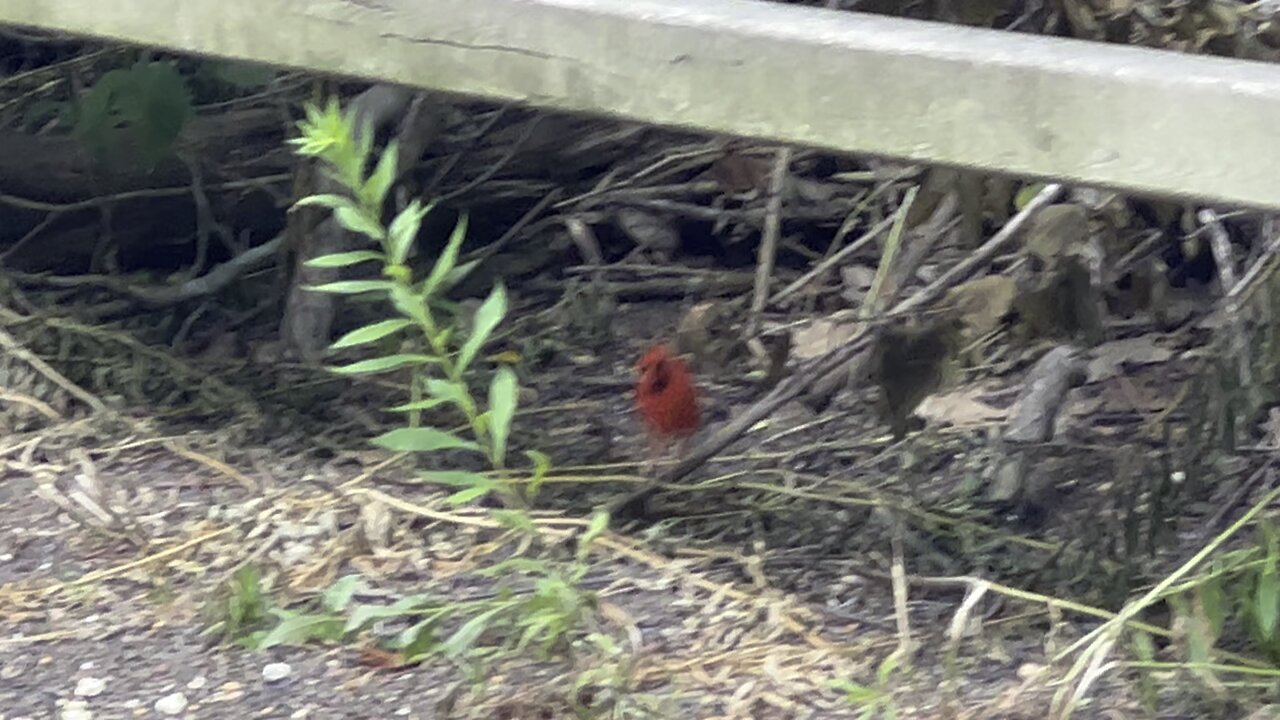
[[90, 687], [1026, 671], [197, 683], [75, 710], [230, 691], [171, 704], [276, 672]]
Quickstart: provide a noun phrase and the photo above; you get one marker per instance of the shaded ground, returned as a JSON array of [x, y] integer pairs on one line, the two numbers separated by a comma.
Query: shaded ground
[[746, 600]]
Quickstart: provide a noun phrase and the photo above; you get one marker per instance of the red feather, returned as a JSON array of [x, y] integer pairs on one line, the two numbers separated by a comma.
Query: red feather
[[665, 395]]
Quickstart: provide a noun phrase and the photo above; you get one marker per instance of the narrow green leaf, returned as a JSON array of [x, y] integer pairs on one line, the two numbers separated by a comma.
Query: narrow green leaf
[[328, 200], [855, 693], [298, 629], [404, 230], [466, 636], [462, 497], [503, 397], [370, 333], [541, 466], [886, 668], [313, 113], [363, 134], [534, 628], [1267, 603], [356, 221], [352, 287], [1270, 543], [1214, 601], [605, 643], [456, 276], [365, 613], [487, 318], [448, 258], [381, 364], [419, 641], [422, 440], [448, 391], [444, 336], [599, 523], [427, 404], [345, 259], [515, 520], [379, 183], [339, 595], [1143, 646], [1199, 642], [541, 462]]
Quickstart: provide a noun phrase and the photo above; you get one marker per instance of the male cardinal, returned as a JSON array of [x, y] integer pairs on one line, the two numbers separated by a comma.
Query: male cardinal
[[666, 399]]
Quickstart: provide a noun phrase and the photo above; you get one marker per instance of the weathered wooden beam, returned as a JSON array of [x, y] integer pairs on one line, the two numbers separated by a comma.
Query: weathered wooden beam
[[1142, 120]]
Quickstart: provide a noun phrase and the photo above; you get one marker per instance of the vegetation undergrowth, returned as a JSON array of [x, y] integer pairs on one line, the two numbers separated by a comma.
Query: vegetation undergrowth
[[549, 612], [1236, 597]]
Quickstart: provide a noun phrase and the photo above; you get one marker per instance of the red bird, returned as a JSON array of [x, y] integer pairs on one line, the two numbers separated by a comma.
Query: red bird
[[666, 399]]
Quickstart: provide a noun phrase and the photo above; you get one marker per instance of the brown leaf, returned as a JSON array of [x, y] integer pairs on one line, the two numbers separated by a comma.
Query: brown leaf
[[739, 174], [958, 409], [380, 659], [821, 336]]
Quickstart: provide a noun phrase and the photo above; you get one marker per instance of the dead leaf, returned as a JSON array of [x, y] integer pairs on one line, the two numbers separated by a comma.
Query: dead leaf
[[981, 304], [820, 337], [856, 280], [1111, 358], [649, 230], [380, 659], [738, 173], [1056, 232], [959, 409]]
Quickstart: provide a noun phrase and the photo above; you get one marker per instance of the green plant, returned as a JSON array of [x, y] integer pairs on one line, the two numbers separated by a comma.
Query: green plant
[[1259, 598], [540, 604], [544, 617], [134, 114], [603, 689], [439, 353], [1243, 586], [1237, 598], [240, 608], [244, 613], [877, 700]]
